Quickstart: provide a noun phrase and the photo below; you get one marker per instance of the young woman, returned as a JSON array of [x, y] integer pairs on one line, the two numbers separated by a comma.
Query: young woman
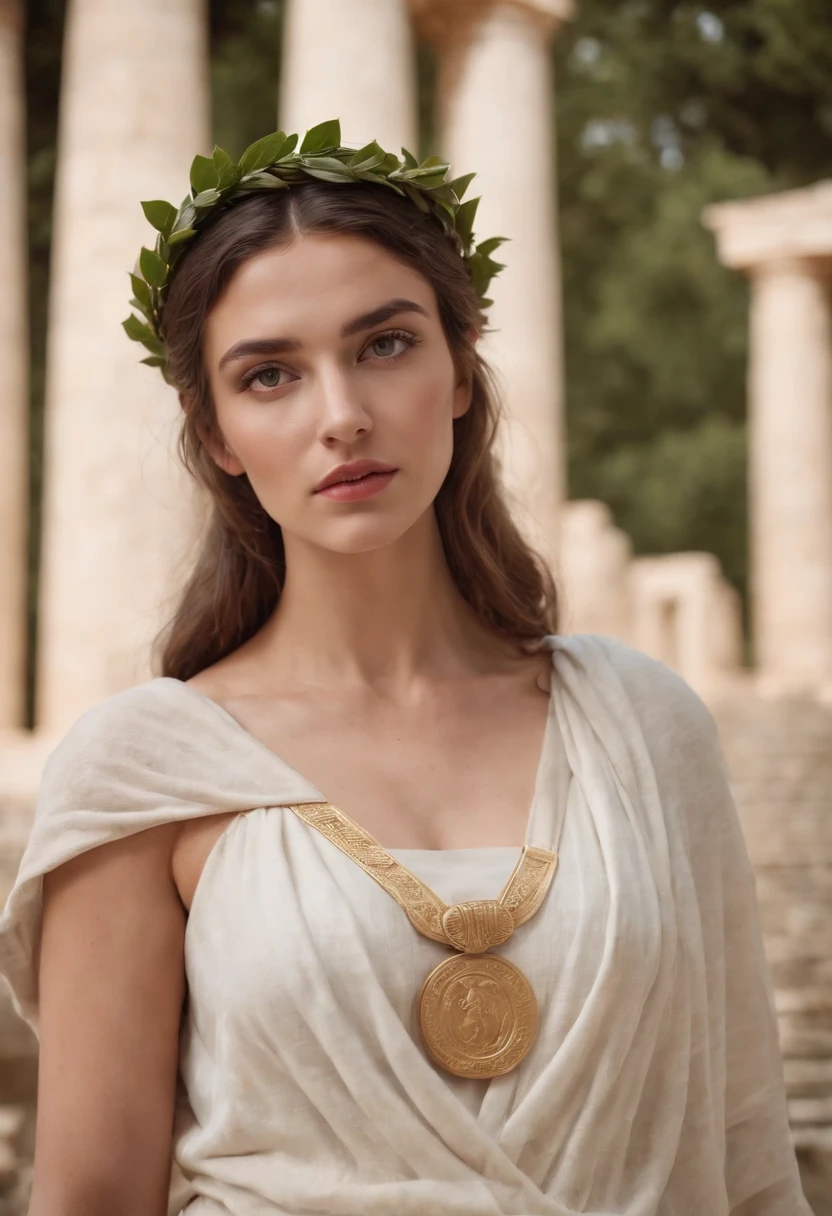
[[288, 923]]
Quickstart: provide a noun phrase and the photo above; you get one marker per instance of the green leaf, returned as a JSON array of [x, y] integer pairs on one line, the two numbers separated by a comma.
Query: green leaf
[[184, 234], [185, 218], [289, 146], [262, 153], [206, 198], [321, 138], [443, 194], [432, 162], [410, 161], [328, 162], [465, 218], [390, 163], [416, 197], [427, 173], [263, 181], [141, 291], [204, 175], [446, 209], [221, 158], [160, 214], [139, 332], [329, 175], [153, 268], [494, 242], [460, 184], [228, 174], [368, 157], [154, 361], [428, 179]]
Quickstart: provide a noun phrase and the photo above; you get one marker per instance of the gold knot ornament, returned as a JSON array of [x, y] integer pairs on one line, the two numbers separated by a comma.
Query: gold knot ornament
[[477, 1011]]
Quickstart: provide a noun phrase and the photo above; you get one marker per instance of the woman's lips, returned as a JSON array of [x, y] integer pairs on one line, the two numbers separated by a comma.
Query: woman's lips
[[363, 487]]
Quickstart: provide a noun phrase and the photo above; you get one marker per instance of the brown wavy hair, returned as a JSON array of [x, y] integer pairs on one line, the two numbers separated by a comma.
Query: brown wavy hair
[[239, 572]]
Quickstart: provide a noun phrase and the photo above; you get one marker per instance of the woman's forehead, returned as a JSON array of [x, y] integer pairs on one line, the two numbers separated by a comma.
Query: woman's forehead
[[316, 284]]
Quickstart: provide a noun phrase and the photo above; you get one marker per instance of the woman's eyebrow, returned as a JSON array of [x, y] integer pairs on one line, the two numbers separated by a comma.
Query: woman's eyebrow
[[279, 346], [379, 315]]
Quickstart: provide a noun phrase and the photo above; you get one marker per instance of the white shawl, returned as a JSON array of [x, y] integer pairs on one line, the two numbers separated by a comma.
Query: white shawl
[[654, 1087]]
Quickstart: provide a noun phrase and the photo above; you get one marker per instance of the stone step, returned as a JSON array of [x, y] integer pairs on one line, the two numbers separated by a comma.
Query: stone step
[[800, 837], [808, 949], [808, 1078], [796, 919], [805, 1042], [803, 1000], [812, 1139], [801, 973], [810, 1111]]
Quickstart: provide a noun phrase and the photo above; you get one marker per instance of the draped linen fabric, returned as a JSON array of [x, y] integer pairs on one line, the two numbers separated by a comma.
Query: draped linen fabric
[[654, 1087]]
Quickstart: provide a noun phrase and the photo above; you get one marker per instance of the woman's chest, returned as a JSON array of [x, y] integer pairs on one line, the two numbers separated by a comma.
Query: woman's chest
[[284, 927], [448, 771]]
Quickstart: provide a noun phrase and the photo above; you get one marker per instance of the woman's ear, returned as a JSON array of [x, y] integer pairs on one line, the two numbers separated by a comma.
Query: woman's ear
[[463, 393], [214, 444], [220, 453]]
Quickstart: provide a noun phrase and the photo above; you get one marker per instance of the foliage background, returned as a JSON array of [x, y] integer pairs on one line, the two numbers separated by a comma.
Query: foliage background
[[661, 107]]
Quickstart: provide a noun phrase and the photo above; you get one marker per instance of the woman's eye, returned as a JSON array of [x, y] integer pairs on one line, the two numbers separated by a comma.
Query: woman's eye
[[269, 377], [264, 379], [388, 346]]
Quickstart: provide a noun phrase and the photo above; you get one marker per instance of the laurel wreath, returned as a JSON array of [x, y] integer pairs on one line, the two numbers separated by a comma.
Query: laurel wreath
[[273, 164]]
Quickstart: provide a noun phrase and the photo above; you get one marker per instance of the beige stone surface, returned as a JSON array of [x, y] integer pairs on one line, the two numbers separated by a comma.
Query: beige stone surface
[[352, 60], [780, 760], [594, 571], [14, 360], [117, 515], [496, 88], [784, 243], [791, 224], [790, 457], [686, 615], [444, 21]]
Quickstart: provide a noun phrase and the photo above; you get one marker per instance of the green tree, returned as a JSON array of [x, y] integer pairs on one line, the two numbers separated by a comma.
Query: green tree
[[662, 108]]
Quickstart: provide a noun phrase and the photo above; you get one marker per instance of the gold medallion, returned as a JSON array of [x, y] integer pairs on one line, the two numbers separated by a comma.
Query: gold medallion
[[477, 1011], [478, 1015]]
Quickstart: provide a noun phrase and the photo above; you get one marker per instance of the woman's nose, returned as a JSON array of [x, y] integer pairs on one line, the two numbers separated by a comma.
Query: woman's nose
[[342, 412]]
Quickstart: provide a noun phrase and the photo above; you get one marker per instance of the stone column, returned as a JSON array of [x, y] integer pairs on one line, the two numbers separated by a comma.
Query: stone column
[[352, 60], [497, 102], [784, 242], [790, 456], [14, 362], [118, 513]]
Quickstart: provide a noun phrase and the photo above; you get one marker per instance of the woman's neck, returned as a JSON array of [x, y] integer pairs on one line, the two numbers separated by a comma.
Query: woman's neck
[[378, 618]]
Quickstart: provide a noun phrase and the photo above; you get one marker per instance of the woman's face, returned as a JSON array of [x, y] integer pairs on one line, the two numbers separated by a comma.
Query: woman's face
[[325, 352]]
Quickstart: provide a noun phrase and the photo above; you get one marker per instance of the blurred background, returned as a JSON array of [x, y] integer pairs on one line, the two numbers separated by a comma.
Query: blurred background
[[663, 334]]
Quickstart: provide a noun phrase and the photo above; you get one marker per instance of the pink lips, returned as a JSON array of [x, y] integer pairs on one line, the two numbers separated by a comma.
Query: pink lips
[[356, 479], [363, 487]]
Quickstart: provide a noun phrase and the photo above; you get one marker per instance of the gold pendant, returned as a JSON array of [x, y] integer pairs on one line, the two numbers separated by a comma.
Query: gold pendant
[[478, 1015], [477, 1011]]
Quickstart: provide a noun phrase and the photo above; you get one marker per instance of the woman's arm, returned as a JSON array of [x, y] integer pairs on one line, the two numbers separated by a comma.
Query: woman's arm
[[111, 992]]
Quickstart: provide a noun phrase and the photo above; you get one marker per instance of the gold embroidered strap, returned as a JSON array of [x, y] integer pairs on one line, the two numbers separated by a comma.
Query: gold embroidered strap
[[528, 883], [470, 927]]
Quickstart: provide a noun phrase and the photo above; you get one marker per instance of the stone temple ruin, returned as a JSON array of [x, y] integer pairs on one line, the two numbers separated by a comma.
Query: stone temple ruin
[[119, 517]]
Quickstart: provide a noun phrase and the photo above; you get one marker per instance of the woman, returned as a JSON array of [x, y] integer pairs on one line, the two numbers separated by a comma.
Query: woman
[[255, 996]]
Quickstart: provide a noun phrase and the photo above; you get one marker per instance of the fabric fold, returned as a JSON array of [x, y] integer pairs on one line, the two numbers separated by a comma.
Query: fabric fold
[[304, 1086]]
